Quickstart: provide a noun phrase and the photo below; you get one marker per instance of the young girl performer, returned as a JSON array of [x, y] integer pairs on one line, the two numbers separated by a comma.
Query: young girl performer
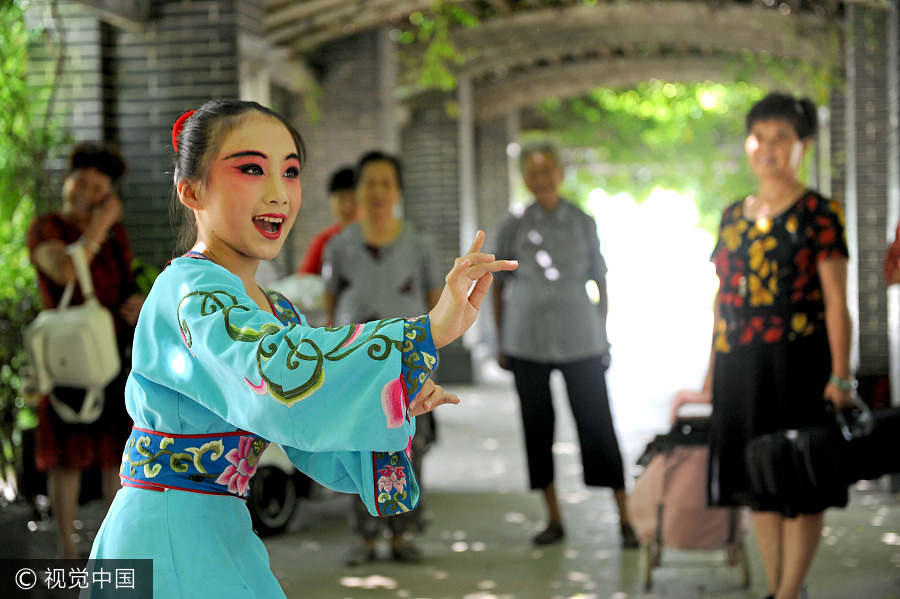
[[222, 368]]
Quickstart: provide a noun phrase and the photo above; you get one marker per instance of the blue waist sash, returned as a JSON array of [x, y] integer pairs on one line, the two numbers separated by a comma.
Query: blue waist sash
[[214, 464]]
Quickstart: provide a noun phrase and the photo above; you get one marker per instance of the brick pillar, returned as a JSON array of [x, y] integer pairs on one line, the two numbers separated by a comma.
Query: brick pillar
[[492, 174], [430, 148], [79, 96], [867, 183], [129, 86], [492, 198], [355, 114], [893, 207]]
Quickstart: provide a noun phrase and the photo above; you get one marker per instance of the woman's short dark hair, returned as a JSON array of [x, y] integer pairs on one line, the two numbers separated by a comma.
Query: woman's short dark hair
[[799, 112], [342, 179], [198, 141], [101, 156], [379, 156]]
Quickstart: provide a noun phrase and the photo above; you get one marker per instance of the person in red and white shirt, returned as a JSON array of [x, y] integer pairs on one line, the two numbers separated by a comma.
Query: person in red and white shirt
[[342, 197]]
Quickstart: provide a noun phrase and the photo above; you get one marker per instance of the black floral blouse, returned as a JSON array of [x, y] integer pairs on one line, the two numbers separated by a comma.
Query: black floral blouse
[[769, 288]]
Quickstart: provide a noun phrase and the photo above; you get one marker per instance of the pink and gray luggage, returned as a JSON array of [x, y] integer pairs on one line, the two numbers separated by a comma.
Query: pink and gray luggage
[[668, 504]]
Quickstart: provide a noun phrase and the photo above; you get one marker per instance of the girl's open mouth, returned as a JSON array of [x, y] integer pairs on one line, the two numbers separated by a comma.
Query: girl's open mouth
[[269, 225]]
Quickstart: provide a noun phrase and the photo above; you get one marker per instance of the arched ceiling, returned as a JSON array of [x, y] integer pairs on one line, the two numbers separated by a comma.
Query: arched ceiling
[[525, 51], [303, 25]]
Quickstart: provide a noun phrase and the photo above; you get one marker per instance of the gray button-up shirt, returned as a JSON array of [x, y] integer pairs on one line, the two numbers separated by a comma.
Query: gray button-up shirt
[[547, 313], [394, 284]]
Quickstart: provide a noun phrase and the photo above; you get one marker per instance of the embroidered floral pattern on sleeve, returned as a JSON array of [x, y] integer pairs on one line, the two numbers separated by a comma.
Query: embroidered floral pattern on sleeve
[[392, 485], [769, 288]]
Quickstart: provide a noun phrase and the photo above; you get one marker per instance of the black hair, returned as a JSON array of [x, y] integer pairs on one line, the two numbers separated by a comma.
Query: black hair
[[198, 139], [101, 156], [379, 156], [544, 147], [799, 112], [342, 179]]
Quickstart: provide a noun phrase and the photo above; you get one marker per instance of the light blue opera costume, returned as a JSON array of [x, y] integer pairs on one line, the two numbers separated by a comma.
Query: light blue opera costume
[[209, 365]]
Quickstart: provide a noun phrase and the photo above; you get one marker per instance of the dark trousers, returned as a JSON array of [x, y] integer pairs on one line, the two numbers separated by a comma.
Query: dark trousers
[[586, 386]]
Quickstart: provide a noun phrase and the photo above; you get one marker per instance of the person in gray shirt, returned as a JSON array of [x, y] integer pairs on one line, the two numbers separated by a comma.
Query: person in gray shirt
[[546, 320], [373, 269]]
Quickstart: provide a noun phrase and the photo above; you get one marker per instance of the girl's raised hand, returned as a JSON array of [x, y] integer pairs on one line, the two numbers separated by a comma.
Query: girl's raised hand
[[460, 301], [429, 397]]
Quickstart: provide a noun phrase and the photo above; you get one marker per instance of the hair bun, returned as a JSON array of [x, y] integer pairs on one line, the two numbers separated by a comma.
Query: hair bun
[[178, 126]]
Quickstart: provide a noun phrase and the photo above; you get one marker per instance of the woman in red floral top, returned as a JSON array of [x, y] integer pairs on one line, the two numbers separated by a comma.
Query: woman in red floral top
[[781, 343]]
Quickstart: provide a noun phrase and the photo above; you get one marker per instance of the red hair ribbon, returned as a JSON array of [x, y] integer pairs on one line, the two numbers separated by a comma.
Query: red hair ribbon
[[178, 126]]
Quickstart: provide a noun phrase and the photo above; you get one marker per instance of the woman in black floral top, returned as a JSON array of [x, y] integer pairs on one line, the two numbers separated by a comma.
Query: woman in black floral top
[[781, 342]]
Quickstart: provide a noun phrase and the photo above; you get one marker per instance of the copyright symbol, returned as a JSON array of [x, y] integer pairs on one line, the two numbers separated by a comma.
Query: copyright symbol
[[26, 579]]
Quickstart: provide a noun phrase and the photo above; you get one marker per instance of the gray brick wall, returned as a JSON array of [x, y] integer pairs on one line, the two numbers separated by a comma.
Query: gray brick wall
[[492, 175], [348, 125], [79, 96], [129, 87], [430, 143], [869, 29], [185, 57]]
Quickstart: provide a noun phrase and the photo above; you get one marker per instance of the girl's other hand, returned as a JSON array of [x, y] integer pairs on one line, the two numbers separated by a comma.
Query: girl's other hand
[[430, 396], [460, 301]]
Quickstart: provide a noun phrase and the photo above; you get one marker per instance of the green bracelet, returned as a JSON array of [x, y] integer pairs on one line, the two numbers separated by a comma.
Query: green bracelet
[[845, 384]]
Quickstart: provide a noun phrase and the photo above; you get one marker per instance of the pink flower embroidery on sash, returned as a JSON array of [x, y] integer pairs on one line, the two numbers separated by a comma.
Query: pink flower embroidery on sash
[[260, 389], [393, 402], [391, 477], [239, 472]]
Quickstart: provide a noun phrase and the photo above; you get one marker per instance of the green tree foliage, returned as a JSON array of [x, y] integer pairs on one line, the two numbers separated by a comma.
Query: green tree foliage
[[26, 135], [432, 30], [680, 136]]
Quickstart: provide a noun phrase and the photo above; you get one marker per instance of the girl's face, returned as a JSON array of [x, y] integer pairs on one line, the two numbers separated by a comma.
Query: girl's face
[[773, 149], [378, 190], [251, 195]]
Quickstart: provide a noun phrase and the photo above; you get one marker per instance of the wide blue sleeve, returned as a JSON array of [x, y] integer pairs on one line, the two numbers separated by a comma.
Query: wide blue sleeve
[[385, 481], [313, 389]]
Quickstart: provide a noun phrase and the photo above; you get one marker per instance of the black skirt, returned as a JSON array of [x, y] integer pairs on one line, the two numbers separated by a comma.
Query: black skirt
[[760, 389]]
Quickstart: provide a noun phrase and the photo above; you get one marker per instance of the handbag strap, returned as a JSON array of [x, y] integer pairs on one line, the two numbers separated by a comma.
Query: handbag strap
[[91, 407], [66, 296], [83, 275]]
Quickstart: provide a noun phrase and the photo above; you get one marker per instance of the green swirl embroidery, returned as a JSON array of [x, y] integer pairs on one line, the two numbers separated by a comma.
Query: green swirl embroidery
[[418, 365], [179, 462], [378, 346]]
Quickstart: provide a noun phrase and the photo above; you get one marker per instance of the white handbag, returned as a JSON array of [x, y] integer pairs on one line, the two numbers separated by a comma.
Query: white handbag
[[75, 346]]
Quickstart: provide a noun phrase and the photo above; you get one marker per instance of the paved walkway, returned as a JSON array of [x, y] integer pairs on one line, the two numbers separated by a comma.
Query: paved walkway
[[477, 544], [481, 519]]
